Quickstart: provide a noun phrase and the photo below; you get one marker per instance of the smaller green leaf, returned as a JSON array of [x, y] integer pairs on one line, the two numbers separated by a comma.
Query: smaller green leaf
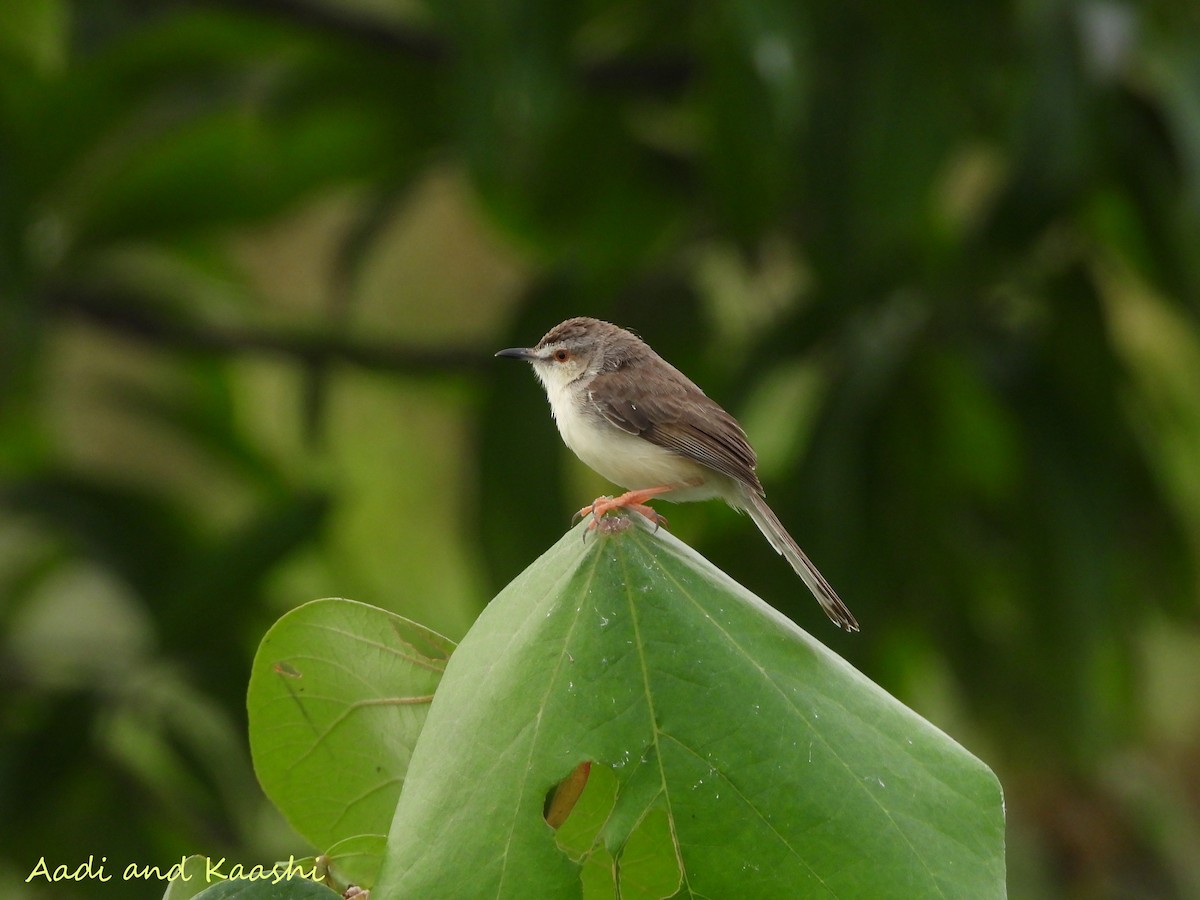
[[338, 694], [597, 875], [577, 836], [354, 861], [267, 889], [192, 881], [648, 866]]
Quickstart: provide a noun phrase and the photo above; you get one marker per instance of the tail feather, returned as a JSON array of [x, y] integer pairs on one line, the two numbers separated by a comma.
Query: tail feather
[[768, 523]]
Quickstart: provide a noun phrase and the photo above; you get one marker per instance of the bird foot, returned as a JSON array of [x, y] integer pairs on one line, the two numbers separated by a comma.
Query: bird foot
[[634, 500]]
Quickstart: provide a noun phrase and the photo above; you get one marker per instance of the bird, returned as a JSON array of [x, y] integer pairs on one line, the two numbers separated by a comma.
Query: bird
[[642, 424]]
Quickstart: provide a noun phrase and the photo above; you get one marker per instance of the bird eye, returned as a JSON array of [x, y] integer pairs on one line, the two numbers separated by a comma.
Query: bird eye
[[562, 355]]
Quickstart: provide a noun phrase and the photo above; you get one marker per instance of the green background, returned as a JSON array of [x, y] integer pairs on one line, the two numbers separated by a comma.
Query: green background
[[939, 258]]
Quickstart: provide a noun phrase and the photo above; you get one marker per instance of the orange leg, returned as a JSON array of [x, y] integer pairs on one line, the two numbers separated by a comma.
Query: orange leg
[[635, 500]]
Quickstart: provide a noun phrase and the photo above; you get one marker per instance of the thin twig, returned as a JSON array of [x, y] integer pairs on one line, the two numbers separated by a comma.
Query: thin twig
[[133, 317]]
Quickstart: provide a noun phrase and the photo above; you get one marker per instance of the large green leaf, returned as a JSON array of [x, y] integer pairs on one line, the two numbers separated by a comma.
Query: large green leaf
[[749, 760], [338, 695]]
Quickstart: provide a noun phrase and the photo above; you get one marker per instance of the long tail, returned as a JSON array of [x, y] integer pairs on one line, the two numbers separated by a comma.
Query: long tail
[[769, 524]]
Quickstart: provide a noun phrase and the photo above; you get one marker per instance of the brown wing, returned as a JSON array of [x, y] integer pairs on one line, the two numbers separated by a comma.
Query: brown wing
[[677, 415]]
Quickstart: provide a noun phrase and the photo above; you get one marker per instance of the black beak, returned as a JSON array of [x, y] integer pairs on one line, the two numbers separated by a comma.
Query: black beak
[[516, 353]]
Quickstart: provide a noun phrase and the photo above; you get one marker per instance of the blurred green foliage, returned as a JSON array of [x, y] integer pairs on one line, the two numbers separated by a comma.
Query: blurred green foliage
[[939, 257]]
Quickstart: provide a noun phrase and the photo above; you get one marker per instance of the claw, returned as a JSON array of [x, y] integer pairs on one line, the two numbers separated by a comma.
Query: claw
[[634, 500]]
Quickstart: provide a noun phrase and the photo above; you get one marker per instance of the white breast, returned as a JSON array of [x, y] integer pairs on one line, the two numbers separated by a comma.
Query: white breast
[[626, 459]]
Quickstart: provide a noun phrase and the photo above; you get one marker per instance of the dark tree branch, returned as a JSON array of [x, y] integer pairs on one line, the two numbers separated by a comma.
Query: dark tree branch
[[663, 77], [133, 317]]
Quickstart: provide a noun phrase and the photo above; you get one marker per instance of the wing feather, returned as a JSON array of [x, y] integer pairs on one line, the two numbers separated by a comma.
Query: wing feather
[[678, 416]]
